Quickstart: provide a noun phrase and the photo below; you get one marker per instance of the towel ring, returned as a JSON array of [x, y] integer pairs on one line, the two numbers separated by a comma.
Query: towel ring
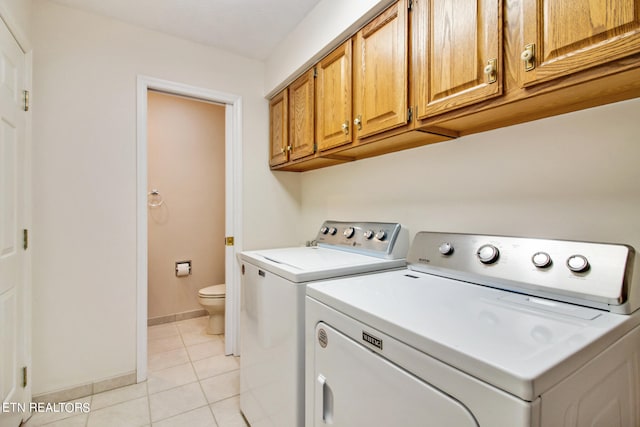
[[154, 198]]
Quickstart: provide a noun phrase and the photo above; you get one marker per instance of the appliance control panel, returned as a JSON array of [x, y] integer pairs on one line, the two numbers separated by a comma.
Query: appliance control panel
[[381, 239], [593, 274]]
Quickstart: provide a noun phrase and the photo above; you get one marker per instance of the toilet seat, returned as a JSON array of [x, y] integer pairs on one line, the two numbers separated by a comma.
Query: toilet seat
[[214, 292]]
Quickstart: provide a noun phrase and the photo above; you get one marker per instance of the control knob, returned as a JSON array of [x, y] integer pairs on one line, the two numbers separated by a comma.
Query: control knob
[[333, 231], [381, 235], [578, 263], [324, 230], [541, 260], [488, 254], [446, 248], [368, 234], [348, 232]]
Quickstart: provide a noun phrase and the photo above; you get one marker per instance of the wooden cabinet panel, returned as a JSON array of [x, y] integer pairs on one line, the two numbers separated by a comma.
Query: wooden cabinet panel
[[573, 35], [334, 99], [457, 53], [381, 72], [301, 116], [278, 128]]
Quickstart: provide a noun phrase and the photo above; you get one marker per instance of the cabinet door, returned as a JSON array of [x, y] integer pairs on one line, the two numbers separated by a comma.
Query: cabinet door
[[334, 100], [301, 115], [380, 72], [565, 36], [457, 53], [278, 128]]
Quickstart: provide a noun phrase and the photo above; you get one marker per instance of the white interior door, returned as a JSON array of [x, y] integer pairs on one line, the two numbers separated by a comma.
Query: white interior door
[[13, 337]]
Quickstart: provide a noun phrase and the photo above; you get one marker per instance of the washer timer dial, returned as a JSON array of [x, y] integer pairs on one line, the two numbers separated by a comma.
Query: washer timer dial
[[488, 254], [348, 233], [578, 263]]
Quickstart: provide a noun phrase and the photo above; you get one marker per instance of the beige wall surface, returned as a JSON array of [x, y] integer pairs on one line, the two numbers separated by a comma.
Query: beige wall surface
[[185, 151], [84, 181], [575, 176]]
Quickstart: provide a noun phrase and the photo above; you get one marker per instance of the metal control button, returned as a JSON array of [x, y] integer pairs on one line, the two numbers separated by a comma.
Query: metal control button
[[541, 260], [368, 234], [333, 231], [381, 235], [324, 230], [488, 254], [446, 248], [578, 263], [348, 233]]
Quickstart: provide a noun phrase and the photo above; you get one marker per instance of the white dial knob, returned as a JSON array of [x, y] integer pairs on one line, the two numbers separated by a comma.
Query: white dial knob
[[368, 234], [348, 233], [578, 263], [541, 260], [333, 231], [446, 248], [324, 230], [381, 235], [488, 254]]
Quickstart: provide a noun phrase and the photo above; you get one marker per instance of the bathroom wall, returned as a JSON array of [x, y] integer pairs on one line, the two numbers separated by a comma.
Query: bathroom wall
[[185, 149]]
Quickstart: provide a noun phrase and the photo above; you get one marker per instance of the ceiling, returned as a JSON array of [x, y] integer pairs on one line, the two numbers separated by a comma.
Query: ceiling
[[251, 28]]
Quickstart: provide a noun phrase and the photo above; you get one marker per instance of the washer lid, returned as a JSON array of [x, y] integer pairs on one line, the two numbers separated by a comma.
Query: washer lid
[[521, 344], [304, 264], [215, 291]]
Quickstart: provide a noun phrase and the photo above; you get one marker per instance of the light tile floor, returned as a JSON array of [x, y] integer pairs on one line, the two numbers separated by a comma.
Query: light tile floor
[[190, 383]]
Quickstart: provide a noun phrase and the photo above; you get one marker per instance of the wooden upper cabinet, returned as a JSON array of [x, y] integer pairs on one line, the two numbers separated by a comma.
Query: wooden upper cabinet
[[381, 72], [562, 37], [334, 99], [301, 116], [457, 53], [278, 129]]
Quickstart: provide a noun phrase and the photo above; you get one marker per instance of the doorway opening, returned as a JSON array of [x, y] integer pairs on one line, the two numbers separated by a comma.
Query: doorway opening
[[232, 197]]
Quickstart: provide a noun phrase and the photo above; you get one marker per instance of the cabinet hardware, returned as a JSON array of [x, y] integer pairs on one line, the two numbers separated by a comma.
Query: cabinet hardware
[[345, 127], [491, 70], [358, 121], [528, 55]]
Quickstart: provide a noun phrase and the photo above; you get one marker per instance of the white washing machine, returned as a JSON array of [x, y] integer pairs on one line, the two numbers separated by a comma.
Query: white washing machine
[[486, 331], [272, 310]]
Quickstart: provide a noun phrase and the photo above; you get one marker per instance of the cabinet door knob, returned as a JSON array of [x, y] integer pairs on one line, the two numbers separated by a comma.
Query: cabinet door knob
[[528, 57], [345, 127], [491, 71], [358, 121]]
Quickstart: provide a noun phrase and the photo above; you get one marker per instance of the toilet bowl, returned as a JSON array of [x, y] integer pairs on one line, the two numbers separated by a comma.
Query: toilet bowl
[[212, 298]]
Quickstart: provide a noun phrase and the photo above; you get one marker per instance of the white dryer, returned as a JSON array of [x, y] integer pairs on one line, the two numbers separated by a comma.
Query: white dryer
[[272, 310], [486, 331]]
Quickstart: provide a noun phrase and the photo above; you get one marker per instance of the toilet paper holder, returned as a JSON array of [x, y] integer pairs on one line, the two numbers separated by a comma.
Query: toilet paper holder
[[183, 268]]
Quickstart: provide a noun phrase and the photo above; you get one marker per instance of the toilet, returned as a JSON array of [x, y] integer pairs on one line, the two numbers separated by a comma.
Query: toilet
[[212, 298]]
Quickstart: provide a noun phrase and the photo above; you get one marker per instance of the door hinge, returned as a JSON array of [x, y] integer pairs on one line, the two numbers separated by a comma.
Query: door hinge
[[25, 239], [410, 5], [25, 96], [24, 376], [228, 241], [315, 72], [410, 115], [315, 147]]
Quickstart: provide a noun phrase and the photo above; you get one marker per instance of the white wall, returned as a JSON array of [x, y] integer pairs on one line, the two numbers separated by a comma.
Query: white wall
[[575, 176], [328, 24], [84, 232]]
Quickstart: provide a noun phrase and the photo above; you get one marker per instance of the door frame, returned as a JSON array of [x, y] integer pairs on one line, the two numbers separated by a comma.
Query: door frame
[[233, 207]]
